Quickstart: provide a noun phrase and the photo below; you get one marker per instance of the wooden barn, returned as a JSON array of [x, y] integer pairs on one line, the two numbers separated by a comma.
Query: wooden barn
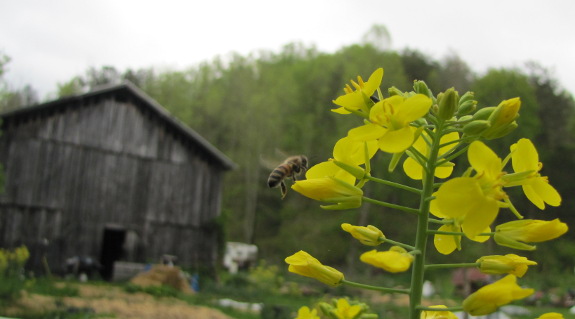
[[112, 175]]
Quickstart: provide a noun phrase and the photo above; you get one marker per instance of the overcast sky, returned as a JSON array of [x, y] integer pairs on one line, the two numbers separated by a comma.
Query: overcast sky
[[52, 41]]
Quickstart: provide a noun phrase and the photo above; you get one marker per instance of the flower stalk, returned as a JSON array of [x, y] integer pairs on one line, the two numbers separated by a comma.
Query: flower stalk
[[430, 132]]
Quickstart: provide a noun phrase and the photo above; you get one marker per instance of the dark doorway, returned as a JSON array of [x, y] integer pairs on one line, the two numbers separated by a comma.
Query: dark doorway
[[112, 250]]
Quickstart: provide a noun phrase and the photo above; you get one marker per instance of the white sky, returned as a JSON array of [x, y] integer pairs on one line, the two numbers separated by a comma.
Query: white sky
[[52, 41]]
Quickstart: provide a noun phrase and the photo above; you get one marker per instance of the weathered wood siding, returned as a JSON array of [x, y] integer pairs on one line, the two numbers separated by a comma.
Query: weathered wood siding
[[73, 170]]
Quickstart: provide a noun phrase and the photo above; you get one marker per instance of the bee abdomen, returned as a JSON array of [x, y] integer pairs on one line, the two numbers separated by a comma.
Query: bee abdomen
[[277, 176]]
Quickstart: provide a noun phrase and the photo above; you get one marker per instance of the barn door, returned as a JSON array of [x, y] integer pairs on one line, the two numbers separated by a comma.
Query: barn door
[[112, 250]]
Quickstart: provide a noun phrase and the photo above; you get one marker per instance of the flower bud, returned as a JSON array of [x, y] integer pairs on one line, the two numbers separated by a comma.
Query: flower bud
[[502, 119], [508, 264], [438, 314], [466, 107], [447, 104], [394, 91], [483, 113], [422, 88], [517, 234], [506, 112], [476, 127], [370, 235], [395, 260], [304, 264], [551, 315], [489, 298], [490, 135], [327, 309], [332, 190], [468, 96]]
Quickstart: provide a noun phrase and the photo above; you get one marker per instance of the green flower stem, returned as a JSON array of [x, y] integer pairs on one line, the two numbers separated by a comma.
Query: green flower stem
[[358, 113], [394, 206], [452, 156], [393, 184], [393, 242], [459, 308], [443, 266], [416, 155], [418, 270], [382, 289], [439, 221]]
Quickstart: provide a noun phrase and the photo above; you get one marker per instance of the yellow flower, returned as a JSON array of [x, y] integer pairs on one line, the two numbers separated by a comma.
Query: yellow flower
[[390, 121], [551, 315], [489, 298], [370, 235], [525, 159], [305, 313], [516, 234], [304, 264], [415, 171], [474, 201], [332, 190], [439, 314], [508, 264], [345, 311], [353, 152], [328, 182], [396, 259], [359, 98]]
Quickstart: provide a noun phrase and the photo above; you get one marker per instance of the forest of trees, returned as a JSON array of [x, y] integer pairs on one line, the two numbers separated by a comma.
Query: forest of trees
[[262, 107]]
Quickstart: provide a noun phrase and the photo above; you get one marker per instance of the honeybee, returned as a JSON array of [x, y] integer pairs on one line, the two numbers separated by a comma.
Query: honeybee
[[292, 167]]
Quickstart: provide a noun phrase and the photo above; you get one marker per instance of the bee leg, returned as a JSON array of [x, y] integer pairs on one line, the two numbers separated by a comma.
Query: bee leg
[[283, 188]]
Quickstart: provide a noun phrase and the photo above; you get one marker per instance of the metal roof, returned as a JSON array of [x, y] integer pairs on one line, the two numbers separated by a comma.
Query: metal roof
[[127, 88]]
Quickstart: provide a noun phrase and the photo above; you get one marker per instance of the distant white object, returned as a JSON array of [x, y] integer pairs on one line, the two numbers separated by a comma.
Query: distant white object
[[495, 315], [239, 256], [428, 289], [242, 306]]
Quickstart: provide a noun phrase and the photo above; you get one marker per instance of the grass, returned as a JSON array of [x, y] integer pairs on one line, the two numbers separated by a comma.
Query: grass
[[280, 300]]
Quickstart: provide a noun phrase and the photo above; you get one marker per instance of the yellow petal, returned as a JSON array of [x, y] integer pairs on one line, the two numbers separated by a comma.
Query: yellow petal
[[412, 169], [367, 132], [413, 108], [397, 141], [482, 239], [524, 157], [455, 197], [444, 171], [434, 209], [546, 192], [446, 244], [352, 151], [373, 82], [483, 159], [482, 214], [340, 110]]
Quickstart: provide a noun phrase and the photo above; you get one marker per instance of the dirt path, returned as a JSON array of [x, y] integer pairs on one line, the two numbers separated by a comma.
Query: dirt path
[[113, 301]]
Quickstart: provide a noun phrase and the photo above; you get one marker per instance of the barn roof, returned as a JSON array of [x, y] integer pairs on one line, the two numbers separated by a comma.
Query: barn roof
[[123, 91]]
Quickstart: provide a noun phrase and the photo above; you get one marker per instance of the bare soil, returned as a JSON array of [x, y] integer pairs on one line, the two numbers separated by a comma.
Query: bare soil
[[113, 302]]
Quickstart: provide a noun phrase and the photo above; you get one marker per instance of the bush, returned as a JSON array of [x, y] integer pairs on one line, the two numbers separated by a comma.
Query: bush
[[12, 272]]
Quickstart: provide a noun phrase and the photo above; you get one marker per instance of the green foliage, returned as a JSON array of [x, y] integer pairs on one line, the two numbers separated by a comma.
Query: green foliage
[[67, 314], [50, 287], [262, 107], [12, 279], [156, 291]]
